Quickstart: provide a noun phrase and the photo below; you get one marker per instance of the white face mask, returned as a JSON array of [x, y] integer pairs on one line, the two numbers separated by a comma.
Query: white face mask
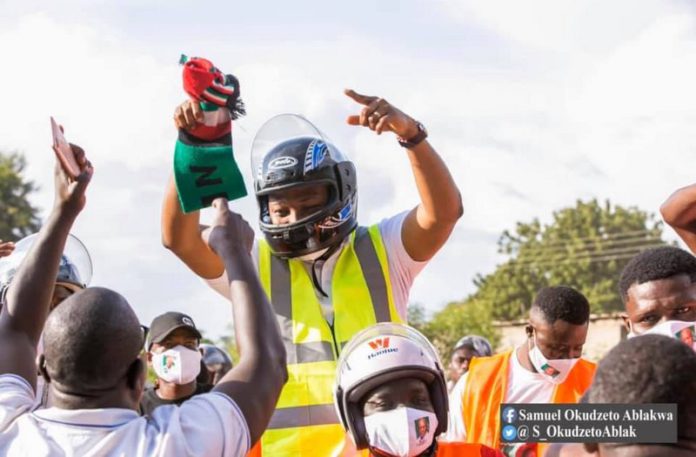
[[313, 256], [401, 432], [681, 330], [555, 371], [179, 365]]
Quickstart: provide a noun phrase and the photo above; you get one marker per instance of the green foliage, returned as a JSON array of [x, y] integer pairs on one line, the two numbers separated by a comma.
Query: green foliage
[[456, 320], [417, 316], [18, 218], [585, 247]]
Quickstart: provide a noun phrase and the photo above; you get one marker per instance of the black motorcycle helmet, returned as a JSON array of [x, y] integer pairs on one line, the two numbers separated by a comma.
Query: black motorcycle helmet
[[298, 161]]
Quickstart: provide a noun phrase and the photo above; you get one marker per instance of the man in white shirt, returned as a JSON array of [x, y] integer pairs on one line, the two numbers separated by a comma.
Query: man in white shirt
[[96, 385]]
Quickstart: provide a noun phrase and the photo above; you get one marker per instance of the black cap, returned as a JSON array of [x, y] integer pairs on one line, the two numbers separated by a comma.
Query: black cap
[[166, 323]]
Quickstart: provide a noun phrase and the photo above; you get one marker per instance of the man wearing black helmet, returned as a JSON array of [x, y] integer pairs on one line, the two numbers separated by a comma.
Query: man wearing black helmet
[[327, 277], [216, 362]]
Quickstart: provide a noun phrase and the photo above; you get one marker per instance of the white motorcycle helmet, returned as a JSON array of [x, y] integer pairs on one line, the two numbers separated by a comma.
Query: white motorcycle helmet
[[74, 269], [380, 354]]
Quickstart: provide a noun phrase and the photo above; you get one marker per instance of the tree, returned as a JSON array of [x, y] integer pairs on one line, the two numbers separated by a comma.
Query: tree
[[456, 320], [417, 316], [18, 217], [585, 247]]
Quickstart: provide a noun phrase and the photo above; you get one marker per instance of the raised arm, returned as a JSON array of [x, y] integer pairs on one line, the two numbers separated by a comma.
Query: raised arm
[[29, 295], [429, 224], [256, 381], [679, 211], [181, 234]]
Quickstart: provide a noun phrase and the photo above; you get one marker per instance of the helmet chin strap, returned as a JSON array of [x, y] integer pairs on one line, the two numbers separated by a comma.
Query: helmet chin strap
[[317, 267]]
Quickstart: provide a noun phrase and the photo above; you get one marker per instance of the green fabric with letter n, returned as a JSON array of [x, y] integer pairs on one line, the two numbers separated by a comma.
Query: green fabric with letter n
[[206, 172]]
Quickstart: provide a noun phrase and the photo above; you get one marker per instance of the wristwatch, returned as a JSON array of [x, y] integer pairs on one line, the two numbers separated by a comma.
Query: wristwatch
[[416, 139]]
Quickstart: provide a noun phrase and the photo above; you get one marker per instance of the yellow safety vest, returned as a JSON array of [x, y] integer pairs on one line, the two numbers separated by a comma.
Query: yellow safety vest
[[305, 420]]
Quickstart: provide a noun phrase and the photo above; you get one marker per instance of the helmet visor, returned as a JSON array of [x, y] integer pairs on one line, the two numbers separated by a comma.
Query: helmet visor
[[75, 252], [281, 128]]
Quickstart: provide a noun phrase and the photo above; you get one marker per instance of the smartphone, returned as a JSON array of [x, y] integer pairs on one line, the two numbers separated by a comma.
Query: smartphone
[[64, 151]]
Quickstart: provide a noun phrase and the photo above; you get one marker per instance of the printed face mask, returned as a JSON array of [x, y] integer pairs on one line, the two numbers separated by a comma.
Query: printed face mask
[[401, 432], [179, 364], [681, 330], [555, 370]]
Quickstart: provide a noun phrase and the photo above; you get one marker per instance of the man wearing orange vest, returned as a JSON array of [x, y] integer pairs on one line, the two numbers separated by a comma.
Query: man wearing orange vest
[[547, 368]]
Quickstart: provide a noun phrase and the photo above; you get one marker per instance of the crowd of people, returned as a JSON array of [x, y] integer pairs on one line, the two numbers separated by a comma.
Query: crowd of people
[[327, 363]]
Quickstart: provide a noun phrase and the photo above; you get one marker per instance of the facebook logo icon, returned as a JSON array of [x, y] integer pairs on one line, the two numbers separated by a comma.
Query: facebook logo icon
[[509, 415]]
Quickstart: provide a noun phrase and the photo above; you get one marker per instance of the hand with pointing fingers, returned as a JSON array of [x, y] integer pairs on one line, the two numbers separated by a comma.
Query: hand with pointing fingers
[[381, 116]]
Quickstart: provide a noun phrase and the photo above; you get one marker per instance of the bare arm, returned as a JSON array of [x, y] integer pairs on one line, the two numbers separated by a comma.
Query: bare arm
[[181, 234], [428, 226], [679, 211], [29, 296], [256, 381]]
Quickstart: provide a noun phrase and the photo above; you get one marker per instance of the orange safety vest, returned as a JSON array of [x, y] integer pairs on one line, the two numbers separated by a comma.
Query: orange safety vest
[[486, 387], [459, 449]]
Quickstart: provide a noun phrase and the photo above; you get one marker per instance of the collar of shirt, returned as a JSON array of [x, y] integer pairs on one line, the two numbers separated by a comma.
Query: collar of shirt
[[98, 418]]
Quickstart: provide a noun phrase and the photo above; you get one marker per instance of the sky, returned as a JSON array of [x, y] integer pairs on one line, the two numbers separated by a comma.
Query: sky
[[532, 105]]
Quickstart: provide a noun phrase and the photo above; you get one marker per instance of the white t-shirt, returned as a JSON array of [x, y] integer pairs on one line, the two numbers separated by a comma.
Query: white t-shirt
[[402, 269], [207, 425], [523, 386]]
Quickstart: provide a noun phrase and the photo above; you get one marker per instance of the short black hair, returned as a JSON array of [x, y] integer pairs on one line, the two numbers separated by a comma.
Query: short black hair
[[648, 369], [91, 340], [655, 264], [564, 303]]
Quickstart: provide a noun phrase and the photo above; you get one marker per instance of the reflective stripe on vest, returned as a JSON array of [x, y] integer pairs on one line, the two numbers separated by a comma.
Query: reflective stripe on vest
[[486, 389], [305, 421]]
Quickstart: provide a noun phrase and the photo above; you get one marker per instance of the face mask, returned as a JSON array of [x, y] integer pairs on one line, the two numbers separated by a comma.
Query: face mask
[[179, 365], [401, 432], [681, 330], [313, 256], [556, 370]]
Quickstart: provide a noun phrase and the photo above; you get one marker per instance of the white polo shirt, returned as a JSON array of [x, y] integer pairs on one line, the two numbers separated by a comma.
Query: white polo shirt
[[207, 425]]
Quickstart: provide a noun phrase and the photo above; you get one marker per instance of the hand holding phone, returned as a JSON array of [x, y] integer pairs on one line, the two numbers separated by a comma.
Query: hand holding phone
[[64, 152]]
